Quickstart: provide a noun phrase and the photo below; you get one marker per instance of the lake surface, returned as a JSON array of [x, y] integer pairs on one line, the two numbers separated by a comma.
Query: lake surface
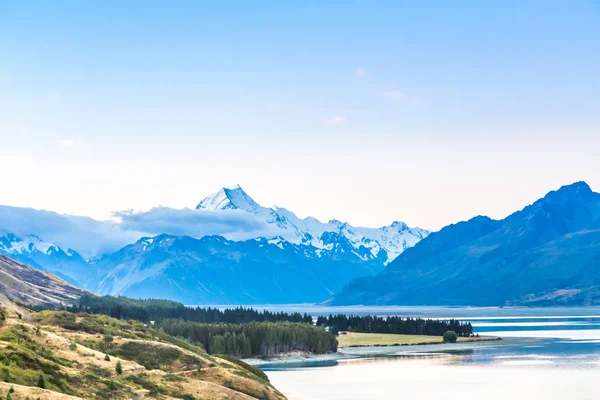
[[547, 353]]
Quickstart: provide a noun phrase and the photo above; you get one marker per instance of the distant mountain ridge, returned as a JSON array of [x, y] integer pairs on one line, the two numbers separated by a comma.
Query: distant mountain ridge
[[214, 270], [33, 251], [392, 239], [300, 260], [546, 254]]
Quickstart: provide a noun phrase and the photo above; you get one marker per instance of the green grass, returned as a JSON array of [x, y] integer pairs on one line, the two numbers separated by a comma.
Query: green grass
[[385, 339], [27, 358], [153, 356], [23, 360], [110, 327], [94, 324]]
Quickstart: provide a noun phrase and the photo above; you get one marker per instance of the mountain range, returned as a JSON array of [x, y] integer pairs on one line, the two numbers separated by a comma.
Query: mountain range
[[546, 254], [287, 260]]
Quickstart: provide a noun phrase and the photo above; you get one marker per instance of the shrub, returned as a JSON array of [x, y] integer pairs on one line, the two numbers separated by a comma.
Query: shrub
[[41, 382], [106, 358], [156, 356], [450, 337]]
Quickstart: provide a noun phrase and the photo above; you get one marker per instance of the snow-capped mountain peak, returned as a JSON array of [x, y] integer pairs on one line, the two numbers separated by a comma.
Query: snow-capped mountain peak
[[229, 198], [392, 239], [12, 244]]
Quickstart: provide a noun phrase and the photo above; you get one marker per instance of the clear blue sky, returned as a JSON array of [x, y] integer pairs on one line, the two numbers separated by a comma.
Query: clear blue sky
[[428, 112]]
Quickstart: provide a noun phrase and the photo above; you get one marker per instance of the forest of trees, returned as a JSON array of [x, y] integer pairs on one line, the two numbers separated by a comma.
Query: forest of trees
[[246, 332], [252, 339], [155, 310], [398, 325], [238, 332]]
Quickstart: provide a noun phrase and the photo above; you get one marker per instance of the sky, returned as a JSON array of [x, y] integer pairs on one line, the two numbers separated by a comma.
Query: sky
[[427, 112]]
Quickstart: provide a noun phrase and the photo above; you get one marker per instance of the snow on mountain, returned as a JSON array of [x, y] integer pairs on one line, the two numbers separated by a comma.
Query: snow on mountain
[[232, 198], [38, 253], [392, 239], [11, 244]]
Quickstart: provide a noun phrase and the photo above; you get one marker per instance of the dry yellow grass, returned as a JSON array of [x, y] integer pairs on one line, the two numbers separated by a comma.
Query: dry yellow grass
[[350, 339], [213, 378], [28, 392]]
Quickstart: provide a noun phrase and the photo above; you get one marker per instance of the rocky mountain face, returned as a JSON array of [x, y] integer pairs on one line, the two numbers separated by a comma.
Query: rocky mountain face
[[546, 254]]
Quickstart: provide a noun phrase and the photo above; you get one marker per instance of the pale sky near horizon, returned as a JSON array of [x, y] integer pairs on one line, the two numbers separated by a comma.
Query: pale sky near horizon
[[427, 112]]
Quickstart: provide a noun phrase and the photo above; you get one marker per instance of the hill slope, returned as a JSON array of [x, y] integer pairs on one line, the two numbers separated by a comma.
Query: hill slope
[[31, 286], [548, 253], [59, 355], [63, 355]]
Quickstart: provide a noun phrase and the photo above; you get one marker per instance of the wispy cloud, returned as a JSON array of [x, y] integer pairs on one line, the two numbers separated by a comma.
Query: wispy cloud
[[395, 95], [336, 119], [360, 72], [90, 237], [86, 236], [232, 224]]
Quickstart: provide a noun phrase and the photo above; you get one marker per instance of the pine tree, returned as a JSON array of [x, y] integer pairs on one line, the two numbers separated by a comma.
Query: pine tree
[[41, 382], [119, 368]]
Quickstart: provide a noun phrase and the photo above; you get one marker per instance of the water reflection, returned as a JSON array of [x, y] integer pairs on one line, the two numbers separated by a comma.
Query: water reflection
[[545, 354], [435, 377]]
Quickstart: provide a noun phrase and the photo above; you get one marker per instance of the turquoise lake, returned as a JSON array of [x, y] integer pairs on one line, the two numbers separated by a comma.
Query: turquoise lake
[[546, 353]]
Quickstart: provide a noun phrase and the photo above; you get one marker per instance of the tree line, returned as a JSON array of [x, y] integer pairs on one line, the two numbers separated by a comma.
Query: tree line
[[147, 310], [252, 339], [392, 324]]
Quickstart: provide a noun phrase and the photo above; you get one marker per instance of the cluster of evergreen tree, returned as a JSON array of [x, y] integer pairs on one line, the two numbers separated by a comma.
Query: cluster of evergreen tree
[[155, 310], [252, 339], [398, 325]]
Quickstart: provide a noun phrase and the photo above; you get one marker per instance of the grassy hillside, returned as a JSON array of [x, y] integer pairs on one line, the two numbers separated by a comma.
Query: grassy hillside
[[61, 355]]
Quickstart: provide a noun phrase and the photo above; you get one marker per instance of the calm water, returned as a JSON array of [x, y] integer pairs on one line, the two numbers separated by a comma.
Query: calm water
[[550, 353]]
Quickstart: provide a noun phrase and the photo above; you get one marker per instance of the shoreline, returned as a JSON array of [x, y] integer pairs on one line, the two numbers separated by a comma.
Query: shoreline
[[359, 339], [301, 359], [481, 339]]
